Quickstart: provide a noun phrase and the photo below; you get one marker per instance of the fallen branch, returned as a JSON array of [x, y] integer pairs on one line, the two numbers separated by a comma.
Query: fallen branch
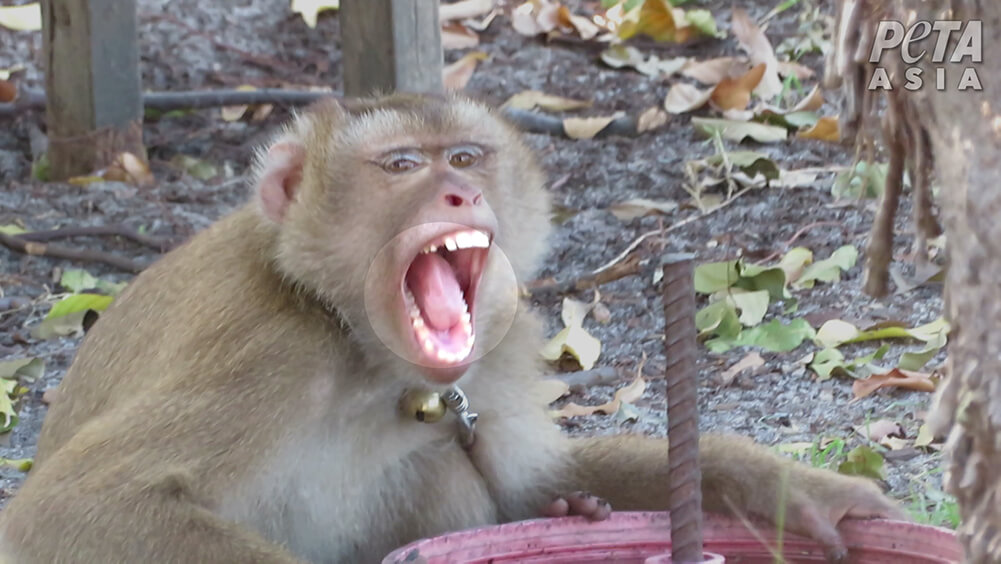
[[53, 250], [528, 121], [625, 268], [116, 230], [639, 240]]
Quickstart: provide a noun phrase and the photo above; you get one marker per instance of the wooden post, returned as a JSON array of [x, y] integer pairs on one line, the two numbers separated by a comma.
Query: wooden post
[[391, 45], [92, 82]]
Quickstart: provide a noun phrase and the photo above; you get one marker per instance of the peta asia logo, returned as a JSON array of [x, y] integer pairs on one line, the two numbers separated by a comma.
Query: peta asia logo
[[914, 43]]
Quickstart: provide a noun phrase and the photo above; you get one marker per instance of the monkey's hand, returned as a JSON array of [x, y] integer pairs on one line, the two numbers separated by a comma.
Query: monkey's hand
[[579, 503], [750, 480]]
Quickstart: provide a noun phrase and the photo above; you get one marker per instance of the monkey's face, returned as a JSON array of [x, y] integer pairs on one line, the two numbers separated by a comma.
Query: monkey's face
[[405, 220]]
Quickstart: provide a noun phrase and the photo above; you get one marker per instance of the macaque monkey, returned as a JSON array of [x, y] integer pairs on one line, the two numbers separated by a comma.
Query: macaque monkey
[[297, 383]]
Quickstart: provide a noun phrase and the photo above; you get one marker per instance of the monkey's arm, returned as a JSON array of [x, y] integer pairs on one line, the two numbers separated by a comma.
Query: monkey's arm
[[112, 496], [738, 476]]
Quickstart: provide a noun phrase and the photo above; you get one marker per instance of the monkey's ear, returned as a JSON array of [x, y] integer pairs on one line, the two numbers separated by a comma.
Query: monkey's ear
[[280, 177]]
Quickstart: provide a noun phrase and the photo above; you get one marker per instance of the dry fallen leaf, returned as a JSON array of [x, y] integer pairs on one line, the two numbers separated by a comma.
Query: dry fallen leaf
[[896, 378], [234, 113], [531, 99], [27, 17], [454, 35], [652, 118], [826, 129], [759, 49], [712, 71], [130, 169], [586, 128], [752, 362], [639, 207], [8, 91], [627, 394], [813, 101], [310, 9], [585, 28], [456, 75], [683, 97], [464, 9], [535, 17], [878, 430], [735, 93], [789, 68]]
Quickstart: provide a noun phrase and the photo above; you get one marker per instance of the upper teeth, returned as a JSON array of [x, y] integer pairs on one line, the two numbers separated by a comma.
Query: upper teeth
[[461, 240]]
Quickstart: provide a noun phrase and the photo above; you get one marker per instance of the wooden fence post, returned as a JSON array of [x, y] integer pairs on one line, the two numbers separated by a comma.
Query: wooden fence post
[[92, 81], [391, 45]]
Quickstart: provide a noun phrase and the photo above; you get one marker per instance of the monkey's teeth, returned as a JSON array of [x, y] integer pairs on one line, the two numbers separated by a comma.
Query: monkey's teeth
[[450, 244], [428, 345], [430, 249]]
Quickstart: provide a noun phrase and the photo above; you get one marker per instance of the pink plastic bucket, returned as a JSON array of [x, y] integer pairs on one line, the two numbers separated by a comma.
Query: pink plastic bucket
[[638, 538]]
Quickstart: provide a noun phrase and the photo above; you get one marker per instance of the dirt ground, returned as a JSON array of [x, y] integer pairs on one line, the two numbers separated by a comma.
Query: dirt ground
[[186, 44]]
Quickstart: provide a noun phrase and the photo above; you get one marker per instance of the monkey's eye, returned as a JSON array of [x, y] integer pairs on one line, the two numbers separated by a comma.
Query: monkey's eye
[[400, 164], [463, 158]]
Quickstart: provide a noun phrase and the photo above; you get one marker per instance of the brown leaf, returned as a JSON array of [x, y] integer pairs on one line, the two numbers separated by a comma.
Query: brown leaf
[[752, 361], [628, 394], [8, 91], [652, 118], [759, 49], [457, 74], [712, 71], [130, 169], [234, 113], [454, 35], [586, 128], [896, 378], [531, 99], [826, 129], [584, 27], [811, 102], [683, 97], [464, 9], [878, 430], [735, 93], [789, 68]]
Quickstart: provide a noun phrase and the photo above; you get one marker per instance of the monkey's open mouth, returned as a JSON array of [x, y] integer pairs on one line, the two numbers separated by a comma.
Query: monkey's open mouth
[[440, 291]]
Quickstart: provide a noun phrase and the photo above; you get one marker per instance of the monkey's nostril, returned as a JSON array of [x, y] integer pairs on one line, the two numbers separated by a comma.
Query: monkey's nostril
[[453, 200]]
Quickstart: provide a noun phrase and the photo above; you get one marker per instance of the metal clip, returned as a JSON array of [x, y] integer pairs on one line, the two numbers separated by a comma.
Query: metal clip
[[457, 402]]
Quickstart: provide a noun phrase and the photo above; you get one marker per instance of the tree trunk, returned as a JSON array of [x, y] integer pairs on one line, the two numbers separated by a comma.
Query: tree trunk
[[965, 128]]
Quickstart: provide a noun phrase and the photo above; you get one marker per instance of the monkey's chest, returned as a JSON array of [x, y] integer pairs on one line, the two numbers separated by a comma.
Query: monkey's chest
[[354, 498]]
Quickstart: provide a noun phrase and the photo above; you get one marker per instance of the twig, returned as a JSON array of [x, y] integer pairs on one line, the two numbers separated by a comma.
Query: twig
[[639, 240], [117, 230], [53, 250], [799, 233], [621, 270]]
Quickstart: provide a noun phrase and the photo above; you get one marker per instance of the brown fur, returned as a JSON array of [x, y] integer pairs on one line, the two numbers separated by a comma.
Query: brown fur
[[233, 405]]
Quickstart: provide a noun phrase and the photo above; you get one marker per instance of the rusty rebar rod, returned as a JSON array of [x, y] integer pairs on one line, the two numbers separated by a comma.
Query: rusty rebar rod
[[684, 474]]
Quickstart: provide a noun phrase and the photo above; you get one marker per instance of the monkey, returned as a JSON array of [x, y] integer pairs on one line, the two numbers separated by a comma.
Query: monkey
[[244, 398]]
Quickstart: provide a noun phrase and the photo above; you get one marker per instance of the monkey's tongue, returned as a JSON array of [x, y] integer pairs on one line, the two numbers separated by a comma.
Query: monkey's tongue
[[436, 291]]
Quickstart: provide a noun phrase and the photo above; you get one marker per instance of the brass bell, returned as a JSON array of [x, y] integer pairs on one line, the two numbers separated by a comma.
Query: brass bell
[[423, 405]]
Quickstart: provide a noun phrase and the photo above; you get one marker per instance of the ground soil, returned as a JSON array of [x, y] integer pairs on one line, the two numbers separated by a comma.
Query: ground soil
[[186, 44]]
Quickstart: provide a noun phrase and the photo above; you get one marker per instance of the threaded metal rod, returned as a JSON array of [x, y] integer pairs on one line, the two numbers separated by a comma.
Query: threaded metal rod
[[684, 474]]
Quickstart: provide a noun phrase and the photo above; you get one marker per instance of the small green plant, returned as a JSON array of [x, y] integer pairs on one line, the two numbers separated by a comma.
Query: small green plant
[[931, 506], [830, 456]]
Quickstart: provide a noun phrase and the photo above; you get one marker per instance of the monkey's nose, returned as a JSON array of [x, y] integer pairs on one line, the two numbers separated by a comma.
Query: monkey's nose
[[459, 198]]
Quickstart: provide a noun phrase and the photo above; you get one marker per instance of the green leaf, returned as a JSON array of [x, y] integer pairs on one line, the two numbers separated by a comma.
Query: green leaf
[[752, 306], [915, 360], [79, 303], [12, 229], [836, 332], [718, 319], [863, 461], [703, 21], [77, 280], [28, 369], [829, 269], [21, 464], [830, 362], [755, 277], [773, 336], [868, 181], [737, 131], [750, 162], [715, 276]]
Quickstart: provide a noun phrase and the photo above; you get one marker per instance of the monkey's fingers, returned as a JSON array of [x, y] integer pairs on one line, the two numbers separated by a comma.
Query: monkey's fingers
[[579, 503]]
